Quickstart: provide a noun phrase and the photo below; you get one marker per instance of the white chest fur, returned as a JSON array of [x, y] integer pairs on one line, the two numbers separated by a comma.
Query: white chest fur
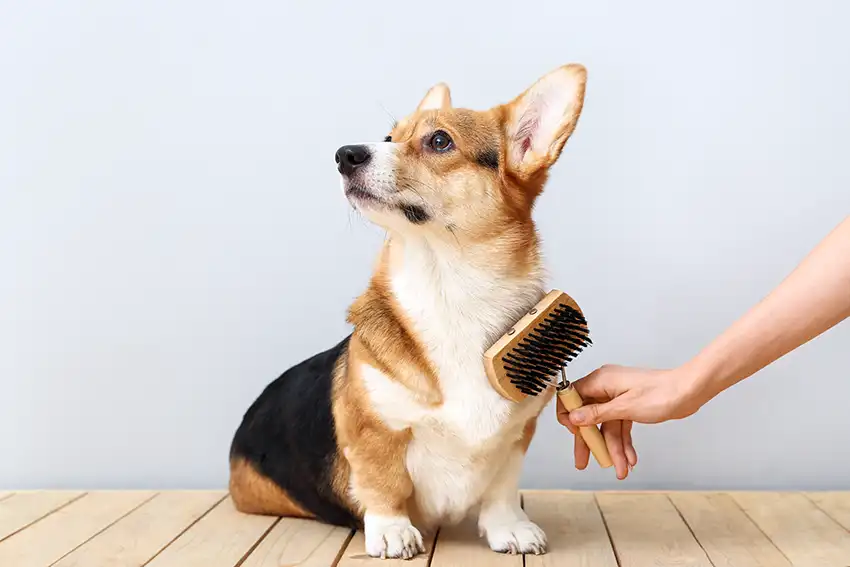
[[457, 312]]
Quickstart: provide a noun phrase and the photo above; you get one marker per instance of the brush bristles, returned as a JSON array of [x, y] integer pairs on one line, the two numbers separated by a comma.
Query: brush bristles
[[542, 353]]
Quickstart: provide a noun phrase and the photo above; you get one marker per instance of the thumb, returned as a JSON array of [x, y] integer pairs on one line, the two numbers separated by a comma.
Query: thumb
[[594, 414]]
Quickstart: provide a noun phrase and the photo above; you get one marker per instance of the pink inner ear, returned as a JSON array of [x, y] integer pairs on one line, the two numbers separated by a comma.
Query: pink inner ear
[[525, 133]]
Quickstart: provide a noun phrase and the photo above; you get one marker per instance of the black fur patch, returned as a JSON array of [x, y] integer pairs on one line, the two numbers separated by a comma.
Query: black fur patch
[[289, 435], [415, 214], [488, 159]]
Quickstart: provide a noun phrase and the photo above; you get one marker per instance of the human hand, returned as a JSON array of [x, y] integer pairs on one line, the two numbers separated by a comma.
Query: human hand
[[617, 396]]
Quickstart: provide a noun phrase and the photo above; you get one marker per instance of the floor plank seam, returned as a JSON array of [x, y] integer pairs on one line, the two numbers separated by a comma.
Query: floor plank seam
[[758, 527], [826, 513], [257, 543], [40, 518], [184, 530], [2, 498], [104, 529], [690, 529], [433, 548], [521, 505], [343, 547], [617, 557]]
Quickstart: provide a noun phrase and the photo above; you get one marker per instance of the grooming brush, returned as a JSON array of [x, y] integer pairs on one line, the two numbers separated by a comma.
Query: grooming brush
[[535, 352]]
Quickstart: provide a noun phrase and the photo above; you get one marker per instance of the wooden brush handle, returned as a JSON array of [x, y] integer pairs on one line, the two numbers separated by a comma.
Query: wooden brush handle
[[591, 435]]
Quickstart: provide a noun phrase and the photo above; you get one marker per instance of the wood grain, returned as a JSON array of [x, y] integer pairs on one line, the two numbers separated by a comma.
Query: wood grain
[[222, 538], [801, 530], [51, 538], [647, 531], [304, 543], [461, 546], [188, 529], [835, 504], [136, 538], [574, 529], [725, 532], [20, 510]]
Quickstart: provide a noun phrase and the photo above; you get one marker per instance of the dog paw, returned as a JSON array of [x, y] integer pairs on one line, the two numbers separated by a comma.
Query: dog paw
[[519, 537], [392, 537]]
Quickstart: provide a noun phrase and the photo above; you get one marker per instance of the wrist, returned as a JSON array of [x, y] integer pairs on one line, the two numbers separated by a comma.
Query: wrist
[[700, 382]]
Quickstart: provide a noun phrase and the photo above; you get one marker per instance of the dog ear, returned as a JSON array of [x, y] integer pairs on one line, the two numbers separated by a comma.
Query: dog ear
[[540, 120], [438, 97]]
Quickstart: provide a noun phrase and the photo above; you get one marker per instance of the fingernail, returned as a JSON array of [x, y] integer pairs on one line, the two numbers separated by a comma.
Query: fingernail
[[577, 416]]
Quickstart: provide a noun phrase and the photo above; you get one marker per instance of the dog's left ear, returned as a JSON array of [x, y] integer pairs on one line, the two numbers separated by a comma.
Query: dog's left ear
[[437, 98], [540, 120]]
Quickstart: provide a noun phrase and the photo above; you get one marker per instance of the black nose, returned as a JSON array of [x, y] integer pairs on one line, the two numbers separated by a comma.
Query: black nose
[[349, 158]]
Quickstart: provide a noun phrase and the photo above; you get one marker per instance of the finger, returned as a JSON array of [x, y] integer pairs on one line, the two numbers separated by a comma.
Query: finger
[[581, 453], [628, 445], [594, 414], [601, 384], [612, 431]]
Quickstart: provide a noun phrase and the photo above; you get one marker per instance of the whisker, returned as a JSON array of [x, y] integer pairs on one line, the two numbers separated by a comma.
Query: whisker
[[393, 121]]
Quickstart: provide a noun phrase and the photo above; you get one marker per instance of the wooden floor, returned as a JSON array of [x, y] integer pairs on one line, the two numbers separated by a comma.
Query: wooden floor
[[202, 529]]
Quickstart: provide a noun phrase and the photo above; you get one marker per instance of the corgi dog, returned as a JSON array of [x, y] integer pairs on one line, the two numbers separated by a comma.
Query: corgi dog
[[396, 430]]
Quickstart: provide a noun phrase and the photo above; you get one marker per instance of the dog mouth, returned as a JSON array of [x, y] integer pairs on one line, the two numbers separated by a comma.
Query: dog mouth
[[359, 196], [358, 193]]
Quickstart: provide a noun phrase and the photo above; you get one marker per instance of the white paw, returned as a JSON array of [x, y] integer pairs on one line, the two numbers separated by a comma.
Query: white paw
[[392, 537], [522, 536]]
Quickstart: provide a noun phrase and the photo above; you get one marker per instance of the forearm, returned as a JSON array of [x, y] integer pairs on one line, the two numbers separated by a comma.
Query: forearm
[[812, 299]]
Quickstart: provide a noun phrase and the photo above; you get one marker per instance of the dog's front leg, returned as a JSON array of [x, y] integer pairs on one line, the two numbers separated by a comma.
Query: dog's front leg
[[381, 484], [502, 518]]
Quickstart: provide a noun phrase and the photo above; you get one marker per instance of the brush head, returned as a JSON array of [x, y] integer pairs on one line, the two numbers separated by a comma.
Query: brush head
[[529, 357]]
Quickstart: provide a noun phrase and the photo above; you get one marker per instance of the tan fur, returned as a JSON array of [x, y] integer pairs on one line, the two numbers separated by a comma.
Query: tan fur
[[385, 339], [254, 493], [374, 452]]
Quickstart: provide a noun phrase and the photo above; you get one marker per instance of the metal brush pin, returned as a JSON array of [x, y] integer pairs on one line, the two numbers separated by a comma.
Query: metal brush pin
[[571, 400]]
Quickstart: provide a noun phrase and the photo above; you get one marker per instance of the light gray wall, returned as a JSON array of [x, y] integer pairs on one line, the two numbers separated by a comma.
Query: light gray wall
[[172, 234]]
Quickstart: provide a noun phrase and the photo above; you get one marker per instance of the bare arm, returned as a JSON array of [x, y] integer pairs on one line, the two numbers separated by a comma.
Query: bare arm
[[811, 300]]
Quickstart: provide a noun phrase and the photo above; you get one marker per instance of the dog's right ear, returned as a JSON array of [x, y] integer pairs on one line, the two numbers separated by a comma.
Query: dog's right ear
[[437, 98]]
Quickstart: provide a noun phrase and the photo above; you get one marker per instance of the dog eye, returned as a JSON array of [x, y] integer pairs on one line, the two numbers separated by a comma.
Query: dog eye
[[440, 141]]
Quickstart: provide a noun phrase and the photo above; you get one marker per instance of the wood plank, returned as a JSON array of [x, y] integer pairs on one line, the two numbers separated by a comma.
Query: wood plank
[[222, 538], [835, 504], [725, 532], [574, 529], [461, 546], [801, 530], [355, 554], [21, 510], [136, 538], [51, 538], [647, 531], [5, 494], [304, 543]]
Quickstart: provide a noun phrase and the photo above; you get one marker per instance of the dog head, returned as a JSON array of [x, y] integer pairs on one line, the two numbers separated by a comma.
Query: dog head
[[451, 170]]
